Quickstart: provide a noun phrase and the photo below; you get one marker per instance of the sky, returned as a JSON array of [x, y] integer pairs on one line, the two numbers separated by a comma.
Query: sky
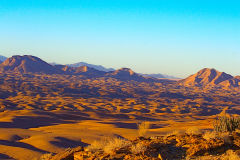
[[174, 37]]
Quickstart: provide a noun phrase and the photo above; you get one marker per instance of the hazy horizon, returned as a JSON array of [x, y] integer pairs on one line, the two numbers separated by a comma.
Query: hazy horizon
[[167, 37], [120, 67]]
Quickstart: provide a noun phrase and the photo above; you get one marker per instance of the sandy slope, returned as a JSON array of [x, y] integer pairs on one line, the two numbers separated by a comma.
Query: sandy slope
[[26, 135]]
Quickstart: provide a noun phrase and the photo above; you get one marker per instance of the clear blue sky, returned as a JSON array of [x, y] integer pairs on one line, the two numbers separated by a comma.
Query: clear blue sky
[[175, 37]]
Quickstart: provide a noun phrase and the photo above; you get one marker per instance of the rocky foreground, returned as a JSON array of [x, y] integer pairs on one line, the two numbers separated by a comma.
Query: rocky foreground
[[207, 146]]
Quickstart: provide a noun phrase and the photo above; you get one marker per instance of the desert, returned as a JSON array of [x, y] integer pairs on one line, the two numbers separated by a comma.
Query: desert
[[119, 80], [46, 112]]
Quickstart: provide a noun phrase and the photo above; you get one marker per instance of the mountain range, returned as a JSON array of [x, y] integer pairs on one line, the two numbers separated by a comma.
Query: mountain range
[[99, 68], [159, 76], [31, 64], [205, 78]]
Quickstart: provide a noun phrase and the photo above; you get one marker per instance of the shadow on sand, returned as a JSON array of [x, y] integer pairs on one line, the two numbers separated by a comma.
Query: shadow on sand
[[67, 143], [6, 157], [44, 119], [21, 145]]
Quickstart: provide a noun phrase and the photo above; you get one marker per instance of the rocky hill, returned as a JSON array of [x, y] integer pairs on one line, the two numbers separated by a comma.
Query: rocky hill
[[82, 70], [208, 78], [128, 74], [192, 146], [97, 67], [27, 64]]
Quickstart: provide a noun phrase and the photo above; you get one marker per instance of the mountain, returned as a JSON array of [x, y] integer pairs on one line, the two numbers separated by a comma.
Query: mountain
[[2, 58], [211, 78], [237, 77], [82, 70], [128, 74], [27, 64], [153, 75], [159, 76], [65, 68], [101, 68], [97, 67], [54, 64], [31, 64]]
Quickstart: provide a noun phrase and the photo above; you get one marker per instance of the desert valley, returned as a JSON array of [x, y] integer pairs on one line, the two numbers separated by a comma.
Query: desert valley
[[47, 108]]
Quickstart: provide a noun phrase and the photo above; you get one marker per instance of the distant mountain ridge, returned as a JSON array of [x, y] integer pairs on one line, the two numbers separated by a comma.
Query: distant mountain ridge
[[101, 68], [97, 67], [205, 78], [2, 58], [82, 70], [159, 76], [31, 64], [128, 74]]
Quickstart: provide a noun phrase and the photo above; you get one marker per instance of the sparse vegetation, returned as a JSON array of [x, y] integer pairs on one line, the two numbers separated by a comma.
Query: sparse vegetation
[[108, 145], [179, 147], [97, 145], [226, 123], [46, 156], [226, 137], [143, 128], [193, 144], [115, 143], [138, 148], [209, 135], [230, 155], [175, 132]]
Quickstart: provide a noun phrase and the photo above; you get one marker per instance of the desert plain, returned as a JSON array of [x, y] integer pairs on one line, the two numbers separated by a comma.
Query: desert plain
[[47, 109]]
